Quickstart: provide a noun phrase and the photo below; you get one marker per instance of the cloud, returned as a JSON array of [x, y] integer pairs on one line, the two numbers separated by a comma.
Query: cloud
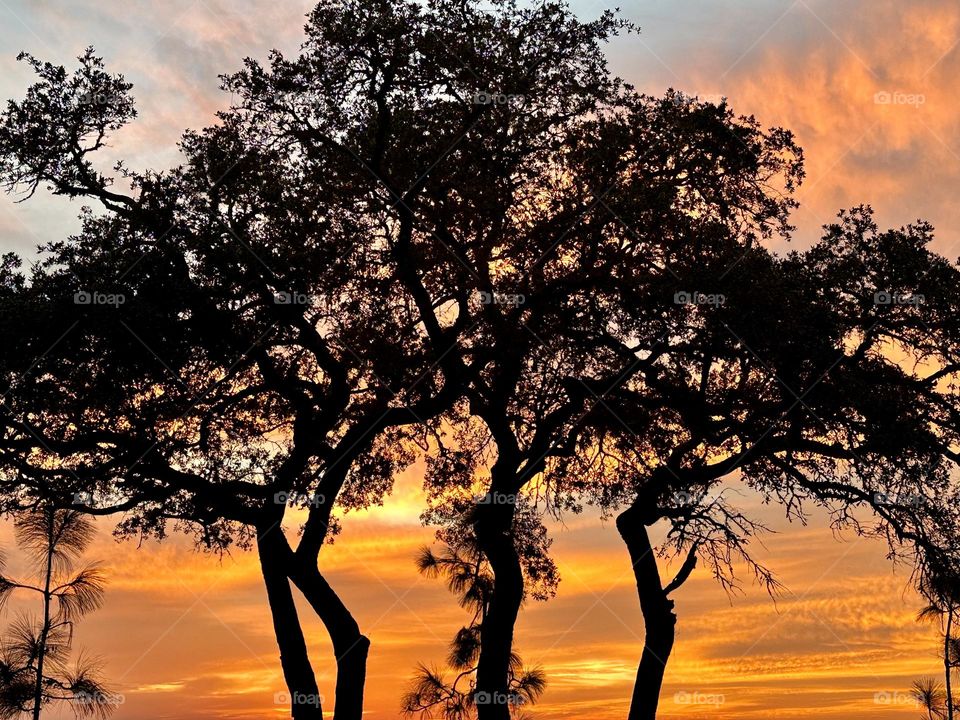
[[868, 86]]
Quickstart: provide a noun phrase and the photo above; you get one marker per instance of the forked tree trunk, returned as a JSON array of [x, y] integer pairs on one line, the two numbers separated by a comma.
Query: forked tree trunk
[[493, 526], [350, 646], [658, 617], [304, 695]]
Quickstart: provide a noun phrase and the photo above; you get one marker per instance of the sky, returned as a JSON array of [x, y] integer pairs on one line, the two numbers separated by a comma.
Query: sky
[[868, 86]]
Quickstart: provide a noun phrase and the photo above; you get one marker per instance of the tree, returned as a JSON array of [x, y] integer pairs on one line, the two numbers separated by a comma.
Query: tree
[[468, 577], [190, 384], [652, 174], [809, 386], [264, 321], [930, 695], [451, 213], [34, 670], [443, 110], [943, 594]]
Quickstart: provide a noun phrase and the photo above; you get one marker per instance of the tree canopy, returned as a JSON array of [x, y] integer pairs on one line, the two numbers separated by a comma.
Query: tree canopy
[[446, 228]]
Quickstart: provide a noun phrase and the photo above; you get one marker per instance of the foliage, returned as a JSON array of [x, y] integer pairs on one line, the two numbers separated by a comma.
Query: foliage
[[469, 578], [35, 668]]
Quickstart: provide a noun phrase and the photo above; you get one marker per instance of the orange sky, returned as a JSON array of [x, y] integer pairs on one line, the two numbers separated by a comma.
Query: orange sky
[[184, 636]]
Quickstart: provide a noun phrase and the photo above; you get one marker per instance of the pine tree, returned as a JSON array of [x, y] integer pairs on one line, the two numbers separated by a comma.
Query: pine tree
[[35, 668]]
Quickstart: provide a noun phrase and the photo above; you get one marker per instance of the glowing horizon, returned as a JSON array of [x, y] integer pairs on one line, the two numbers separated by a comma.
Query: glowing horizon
[[843, 631]]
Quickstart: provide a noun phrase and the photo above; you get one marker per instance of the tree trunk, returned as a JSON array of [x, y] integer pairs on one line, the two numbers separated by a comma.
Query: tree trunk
[[658, 617], [304, 695], [946, 660], [494, 528], [350, 646], [45, 628]]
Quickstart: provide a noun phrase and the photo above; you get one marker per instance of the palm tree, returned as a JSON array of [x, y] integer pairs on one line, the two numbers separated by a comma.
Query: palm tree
[[929, 693], [35, 665], [468, 577], [942, 590]]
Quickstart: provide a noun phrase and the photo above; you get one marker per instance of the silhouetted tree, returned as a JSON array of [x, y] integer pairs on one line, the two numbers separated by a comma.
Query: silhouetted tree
[[443, 111], [930, 695], [596, 260], [263, 321], [34, 669], [805, 382], [468, 577], [191, 384], [589, 258], [942, 591]]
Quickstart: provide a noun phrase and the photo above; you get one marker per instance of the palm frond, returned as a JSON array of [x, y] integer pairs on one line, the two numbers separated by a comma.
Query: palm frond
[[81, 594], [64, 534], [22, 642], [929, 693], [427, 563], [516, 664], [427, 690], [16, 693], [7, 586], [465, 648], [530, 685], [90, 696]]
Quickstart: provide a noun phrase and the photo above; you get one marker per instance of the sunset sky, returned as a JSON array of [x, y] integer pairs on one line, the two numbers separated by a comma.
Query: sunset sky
[[870, 87]]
